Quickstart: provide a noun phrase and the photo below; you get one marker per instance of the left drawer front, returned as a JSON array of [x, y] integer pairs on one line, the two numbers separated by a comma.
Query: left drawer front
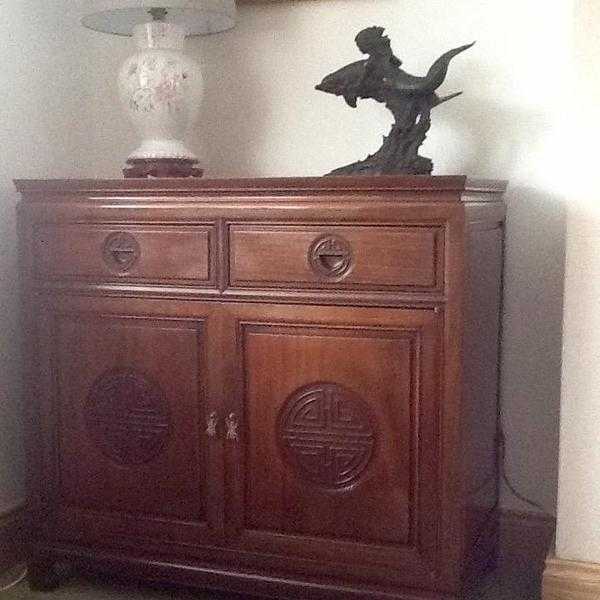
[[170, 253]]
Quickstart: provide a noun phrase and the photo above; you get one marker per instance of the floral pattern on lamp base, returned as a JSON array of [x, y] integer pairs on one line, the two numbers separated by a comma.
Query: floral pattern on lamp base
[[161, 89]]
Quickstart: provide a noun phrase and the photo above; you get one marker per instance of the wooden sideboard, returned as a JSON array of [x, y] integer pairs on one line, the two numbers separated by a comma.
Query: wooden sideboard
[[278, 387]]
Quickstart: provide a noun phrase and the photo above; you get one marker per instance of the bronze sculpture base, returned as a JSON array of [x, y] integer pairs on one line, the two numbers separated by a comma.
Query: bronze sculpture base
[[399, 154], [162, 167]]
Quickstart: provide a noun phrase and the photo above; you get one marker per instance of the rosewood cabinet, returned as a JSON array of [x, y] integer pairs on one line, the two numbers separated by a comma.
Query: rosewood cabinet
[[282, 387]]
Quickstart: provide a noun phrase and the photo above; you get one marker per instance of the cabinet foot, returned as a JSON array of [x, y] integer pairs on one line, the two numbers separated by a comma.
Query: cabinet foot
[[42, 576]]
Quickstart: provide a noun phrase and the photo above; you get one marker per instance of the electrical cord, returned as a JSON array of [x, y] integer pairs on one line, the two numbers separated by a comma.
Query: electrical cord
[[16, 582], [501, 442], [504, 475]]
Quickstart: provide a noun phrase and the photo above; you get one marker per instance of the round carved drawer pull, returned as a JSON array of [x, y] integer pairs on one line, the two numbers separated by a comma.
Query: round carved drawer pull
[[331, 256], [121, 251]]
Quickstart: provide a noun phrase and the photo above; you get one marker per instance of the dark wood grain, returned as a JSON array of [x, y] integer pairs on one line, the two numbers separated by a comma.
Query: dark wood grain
[[170, 254], [378, 257], [151, 427], [209, 404], [385, 513]]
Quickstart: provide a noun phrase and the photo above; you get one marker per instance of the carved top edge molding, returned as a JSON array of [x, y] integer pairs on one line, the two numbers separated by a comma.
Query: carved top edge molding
[[289, 185]]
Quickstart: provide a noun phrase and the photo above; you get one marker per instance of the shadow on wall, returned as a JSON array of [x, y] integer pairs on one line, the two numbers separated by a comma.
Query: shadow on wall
[[11, 451], [490, 133], [483, 131], [486, 134], [532, 347]]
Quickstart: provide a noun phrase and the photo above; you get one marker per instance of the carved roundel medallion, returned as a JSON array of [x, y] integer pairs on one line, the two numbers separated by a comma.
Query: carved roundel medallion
[[327, 435], [127, 416], [331, 256], [121, 251]]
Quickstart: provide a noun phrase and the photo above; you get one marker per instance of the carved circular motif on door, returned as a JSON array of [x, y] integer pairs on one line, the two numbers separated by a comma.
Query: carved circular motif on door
[[327, 433], [331, 256], [127, 416], [121, 251]]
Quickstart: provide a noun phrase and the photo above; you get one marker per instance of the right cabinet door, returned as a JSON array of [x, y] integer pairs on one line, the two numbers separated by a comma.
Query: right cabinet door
[[334, 439]]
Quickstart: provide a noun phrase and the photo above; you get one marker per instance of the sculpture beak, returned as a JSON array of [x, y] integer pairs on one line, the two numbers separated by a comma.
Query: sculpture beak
[[350, 100]]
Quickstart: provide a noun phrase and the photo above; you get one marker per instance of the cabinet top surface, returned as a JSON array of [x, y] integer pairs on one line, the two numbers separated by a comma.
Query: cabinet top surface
[[260, 186]]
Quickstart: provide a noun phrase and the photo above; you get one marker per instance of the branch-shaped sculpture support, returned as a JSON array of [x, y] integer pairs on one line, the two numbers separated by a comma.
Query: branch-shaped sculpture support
[[409, 98]]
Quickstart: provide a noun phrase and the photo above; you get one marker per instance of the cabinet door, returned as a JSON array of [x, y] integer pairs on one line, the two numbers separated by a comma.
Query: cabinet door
[[128, 456], [334, 445]]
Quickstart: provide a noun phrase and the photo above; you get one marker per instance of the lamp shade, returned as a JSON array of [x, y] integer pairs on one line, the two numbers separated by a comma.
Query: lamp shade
[[196, 17]]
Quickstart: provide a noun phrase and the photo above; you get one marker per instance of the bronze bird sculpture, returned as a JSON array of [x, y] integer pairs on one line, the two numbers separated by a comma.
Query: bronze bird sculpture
[[409, 98]]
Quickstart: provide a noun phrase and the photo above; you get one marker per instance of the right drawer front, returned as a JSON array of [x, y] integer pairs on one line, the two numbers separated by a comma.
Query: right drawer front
[[345, 257]]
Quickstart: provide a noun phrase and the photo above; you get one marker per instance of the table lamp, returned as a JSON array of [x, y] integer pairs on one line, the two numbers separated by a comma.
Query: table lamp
[[160, 86]]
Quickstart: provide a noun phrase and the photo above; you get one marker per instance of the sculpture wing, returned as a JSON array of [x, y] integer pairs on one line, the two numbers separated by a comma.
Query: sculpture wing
[[438, 71], [409, 84]]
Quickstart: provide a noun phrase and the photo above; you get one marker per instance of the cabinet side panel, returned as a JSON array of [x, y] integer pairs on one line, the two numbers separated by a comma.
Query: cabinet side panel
[[481, 378]]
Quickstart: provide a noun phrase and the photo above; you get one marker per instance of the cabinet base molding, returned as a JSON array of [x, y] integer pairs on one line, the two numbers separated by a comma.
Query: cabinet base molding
[[570, 580], [526, 537], [178, 572], [11, 538]]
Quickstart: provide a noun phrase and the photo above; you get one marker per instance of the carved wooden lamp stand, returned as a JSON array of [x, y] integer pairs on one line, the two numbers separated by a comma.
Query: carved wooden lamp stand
[[160, 87]]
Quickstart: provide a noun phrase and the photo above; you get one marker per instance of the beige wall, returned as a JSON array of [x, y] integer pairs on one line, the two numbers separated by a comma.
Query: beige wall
[[262, 117], [38, 67], [578, 531]]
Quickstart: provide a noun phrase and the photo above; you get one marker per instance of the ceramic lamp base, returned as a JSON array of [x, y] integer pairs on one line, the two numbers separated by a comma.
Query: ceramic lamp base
[[161, 89], [162, 167]]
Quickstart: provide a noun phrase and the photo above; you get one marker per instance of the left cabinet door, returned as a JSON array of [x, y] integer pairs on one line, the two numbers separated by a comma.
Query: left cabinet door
[[126, 397]]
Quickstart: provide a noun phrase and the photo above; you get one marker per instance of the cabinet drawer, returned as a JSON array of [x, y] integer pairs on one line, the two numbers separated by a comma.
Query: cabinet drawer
[[169, 253], [351, 257]]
